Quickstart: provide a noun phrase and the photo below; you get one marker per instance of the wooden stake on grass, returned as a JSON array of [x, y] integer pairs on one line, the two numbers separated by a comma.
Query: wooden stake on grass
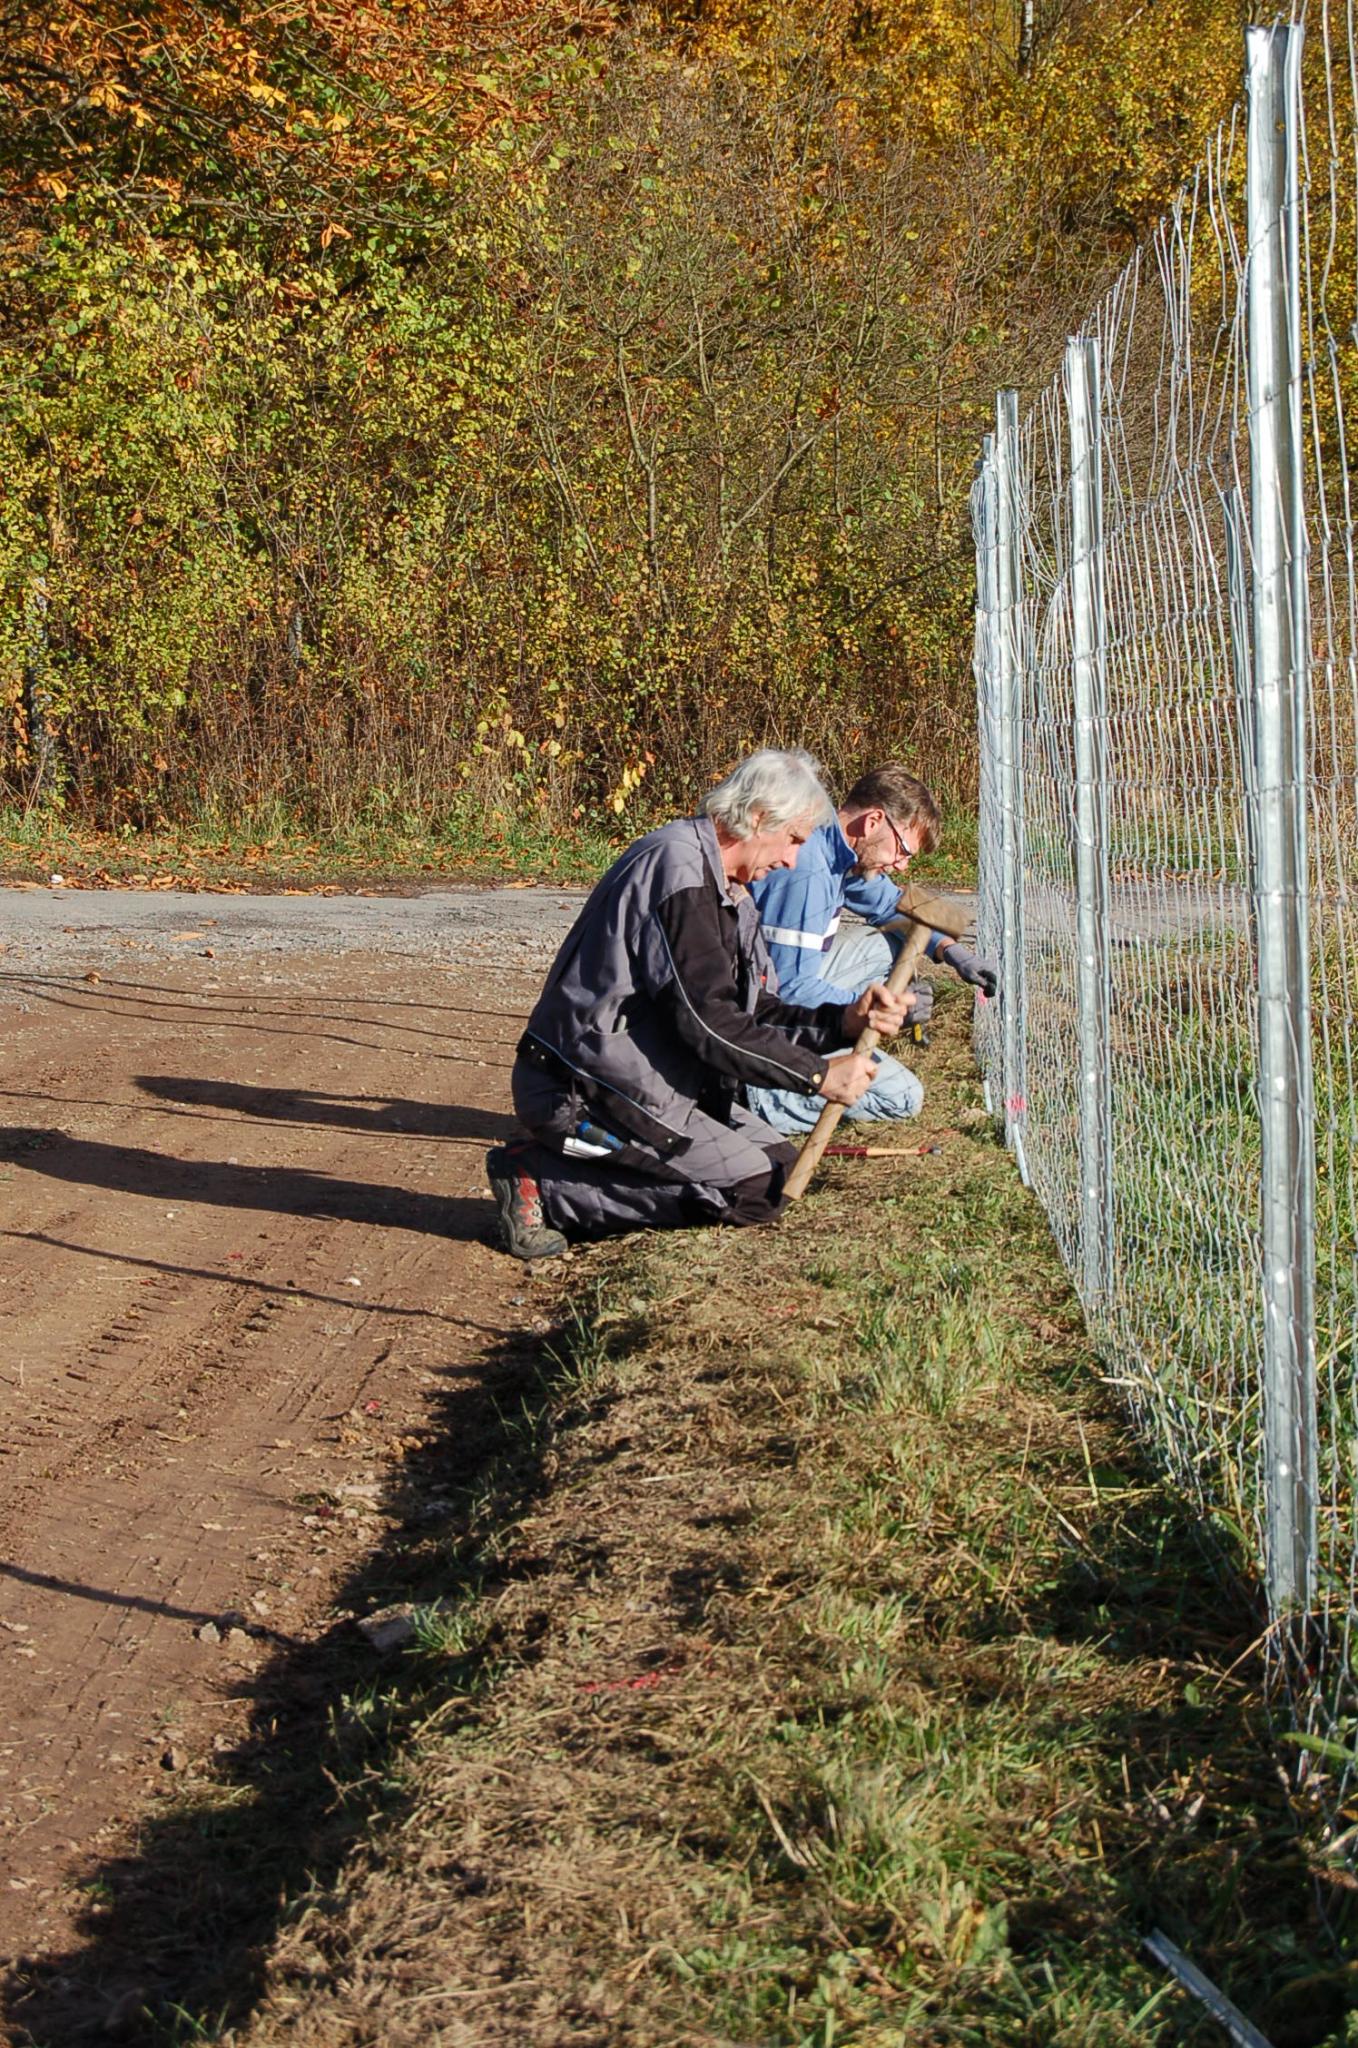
[[827, 1123]]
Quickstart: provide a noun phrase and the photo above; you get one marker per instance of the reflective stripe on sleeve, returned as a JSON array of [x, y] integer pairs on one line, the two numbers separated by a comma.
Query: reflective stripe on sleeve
[[806, 942]]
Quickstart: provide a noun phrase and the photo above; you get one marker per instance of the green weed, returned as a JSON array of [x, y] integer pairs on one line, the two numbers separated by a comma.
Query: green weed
[[449, 1631]]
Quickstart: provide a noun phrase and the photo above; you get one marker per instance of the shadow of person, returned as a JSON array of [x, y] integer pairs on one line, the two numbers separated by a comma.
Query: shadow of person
[[392, 1117], [278, 1190], [174, 1939]]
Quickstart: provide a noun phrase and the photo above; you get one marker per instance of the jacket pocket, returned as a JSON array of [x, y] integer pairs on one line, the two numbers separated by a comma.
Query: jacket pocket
[[615, 1102]]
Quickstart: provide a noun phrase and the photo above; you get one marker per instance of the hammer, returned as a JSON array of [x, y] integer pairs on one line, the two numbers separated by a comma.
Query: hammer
[[901, 975]]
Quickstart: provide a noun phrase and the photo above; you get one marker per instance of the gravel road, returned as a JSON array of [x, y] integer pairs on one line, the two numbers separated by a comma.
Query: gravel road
[[59, 929]]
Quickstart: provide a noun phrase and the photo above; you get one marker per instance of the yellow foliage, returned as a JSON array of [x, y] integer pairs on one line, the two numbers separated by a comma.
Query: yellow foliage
[[1105, 115]]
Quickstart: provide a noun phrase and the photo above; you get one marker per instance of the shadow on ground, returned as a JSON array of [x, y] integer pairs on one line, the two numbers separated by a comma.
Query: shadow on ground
[[175, 1936], [276, 1190], [398, 1116]]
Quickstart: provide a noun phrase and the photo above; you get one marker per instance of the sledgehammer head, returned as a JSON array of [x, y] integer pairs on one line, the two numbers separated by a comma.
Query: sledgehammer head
[[950, 914]]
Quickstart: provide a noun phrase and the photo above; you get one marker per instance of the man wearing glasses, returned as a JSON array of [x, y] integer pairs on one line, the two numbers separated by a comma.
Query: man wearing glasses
[[887, 817]]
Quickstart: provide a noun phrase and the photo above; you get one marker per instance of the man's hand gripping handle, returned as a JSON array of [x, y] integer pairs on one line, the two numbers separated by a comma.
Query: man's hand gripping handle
[[900, 977]]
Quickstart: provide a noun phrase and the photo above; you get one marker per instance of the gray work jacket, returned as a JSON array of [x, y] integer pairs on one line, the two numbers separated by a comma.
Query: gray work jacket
[[663, 995]]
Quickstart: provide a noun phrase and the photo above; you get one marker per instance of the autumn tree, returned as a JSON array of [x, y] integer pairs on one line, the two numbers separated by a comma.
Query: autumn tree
[[401, 399]]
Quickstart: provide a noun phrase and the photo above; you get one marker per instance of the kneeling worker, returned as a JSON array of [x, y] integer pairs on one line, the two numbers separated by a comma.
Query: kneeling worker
[[655, 1013], [884, 821]]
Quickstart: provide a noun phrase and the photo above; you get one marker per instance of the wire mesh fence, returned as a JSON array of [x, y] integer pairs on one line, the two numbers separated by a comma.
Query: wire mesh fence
[[1167, 679]]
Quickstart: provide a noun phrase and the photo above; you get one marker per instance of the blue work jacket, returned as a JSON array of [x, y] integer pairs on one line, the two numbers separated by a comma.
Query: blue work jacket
[[800, 909]]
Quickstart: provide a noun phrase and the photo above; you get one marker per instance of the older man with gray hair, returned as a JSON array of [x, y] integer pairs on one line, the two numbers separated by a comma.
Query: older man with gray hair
[[659, 1008]]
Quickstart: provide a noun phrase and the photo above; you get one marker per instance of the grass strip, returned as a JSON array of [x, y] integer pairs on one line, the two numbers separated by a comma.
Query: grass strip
[[509, 841], [828, 1666], [276, 851]]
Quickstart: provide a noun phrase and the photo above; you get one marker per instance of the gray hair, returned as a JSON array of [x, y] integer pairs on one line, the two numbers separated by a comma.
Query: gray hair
[[768, 790]]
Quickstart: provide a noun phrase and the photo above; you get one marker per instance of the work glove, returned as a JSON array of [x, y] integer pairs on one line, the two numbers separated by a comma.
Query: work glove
[[968, 966], [922, 1009]]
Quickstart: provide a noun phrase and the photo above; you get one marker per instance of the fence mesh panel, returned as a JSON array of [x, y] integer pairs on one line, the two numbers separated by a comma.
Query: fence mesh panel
[[1179, 1309], [1329, 233]]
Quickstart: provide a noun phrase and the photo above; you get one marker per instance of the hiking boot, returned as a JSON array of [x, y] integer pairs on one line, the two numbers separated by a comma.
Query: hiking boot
[[519, 1201]]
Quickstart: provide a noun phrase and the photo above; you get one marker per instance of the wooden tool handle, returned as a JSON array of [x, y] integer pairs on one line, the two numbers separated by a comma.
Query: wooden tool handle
[[902, 973]]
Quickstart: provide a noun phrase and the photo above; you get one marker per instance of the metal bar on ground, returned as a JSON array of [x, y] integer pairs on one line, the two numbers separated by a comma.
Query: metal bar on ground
[[1280, 886], [1241, 2031]]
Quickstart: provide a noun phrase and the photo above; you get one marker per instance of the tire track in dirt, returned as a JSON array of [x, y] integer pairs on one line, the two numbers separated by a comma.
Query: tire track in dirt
[[240, 1247]]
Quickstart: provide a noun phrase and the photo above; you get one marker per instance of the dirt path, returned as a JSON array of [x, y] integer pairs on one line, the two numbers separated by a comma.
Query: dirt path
[[244, 1248]]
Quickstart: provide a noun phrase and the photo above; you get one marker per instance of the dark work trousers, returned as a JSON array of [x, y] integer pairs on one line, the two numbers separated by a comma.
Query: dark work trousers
[[722, 1173]]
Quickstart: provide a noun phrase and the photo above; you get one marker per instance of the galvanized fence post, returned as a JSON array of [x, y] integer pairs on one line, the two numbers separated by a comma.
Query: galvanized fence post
[[985, 670], [1280, 659], [1009, 639], [1084, 413]]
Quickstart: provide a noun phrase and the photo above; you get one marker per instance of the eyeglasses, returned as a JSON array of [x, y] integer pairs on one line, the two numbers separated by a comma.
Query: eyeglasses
[[904, 853]]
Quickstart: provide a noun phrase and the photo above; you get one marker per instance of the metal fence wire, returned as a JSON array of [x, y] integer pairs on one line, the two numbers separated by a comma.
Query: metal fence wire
[[1167, 685]]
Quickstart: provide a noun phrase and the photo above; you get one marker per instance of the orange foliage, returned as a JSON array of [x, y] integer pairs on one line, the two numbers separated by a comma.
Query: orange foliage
[[167, 96]]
